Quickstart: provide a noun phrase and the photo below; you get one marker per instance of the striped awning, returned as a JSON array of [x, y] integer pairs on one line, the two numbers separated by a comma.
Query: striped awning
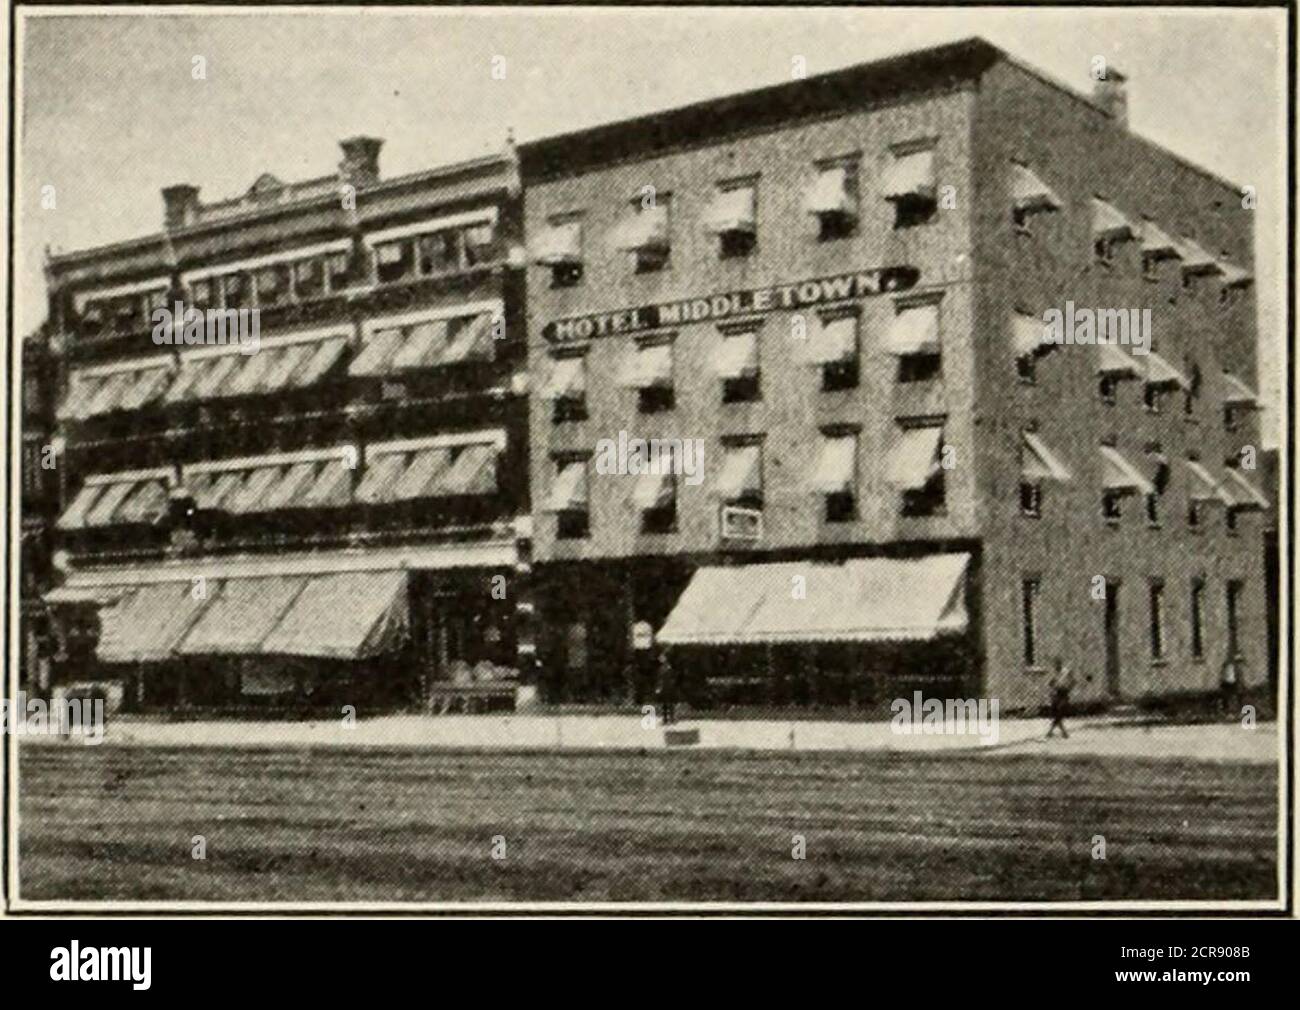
[[147, 625], [243, 612], [108, 502], [428, 343], [1203, 486], [863, 600], [271, 487], [272, 368], [91, 395], [433, 472], [347, 615]]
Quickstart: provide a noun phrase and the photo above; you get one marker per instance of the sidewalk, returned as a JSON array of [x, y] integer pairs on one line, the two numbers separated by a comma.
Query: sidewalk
[[1099, 736]]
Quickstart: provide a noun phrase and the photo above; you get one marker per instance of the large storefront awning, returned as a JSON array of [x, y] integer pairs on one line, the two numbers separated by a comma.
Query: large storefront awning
[[862, 600], [147, 626], [347, 615], [243, 614]]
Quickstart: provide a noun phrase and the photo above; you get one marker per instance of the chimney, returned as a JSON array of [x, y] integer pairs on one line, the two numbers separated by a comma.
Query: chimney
[[180, 206], [1109, 95], [360, 164]]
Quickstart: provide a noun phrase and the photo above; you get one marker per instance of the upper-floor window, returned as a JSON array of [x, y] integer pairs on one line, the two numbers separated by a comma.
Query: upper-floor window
[[1038, 464], [832, 346], [833, 198], [909, 183], [559, 247], [655, 494], [1157, 246], [1029, 196], [1110, 228], [740, 481], [913, 338], [649, 370], [835, 475], [915, 468], [736, 364], [733, 217], [569, 499], [566, 388], [644, 232]]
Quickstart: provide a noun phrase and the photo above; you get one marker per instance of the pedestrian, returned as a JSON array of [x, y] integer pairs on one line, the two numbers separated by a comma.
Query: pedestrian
[[1061, 684], [1230, 685], [667, 688]]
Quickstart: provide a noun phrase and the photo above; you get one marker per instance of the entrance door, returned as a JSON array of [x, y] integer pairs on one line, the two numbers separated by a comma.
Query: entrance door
[[1112, 638]]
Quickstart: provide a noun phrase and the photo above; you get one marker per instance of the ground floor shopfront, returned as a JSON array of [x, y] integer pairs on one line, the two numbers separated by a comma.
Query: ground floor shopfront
[[377, 629], [824, 631]]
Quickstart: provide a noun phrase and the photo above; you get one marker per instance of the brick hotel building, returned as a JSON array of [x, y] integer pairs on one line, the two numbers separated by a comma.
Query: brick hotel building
[[337, 512], [838, 285]]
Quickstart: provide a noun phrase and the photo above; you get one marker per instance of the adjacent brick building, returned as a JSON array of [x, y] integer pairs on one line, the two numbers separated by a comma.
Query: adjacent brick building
[[330, 511], [838, 285]]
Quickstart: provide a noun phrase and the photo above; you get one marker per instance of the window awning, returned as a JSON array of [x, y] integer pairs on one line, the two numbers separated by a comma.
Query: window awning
[[433, 472], [737, 356], [558, 245], [147, 625], [863, 600], [291, 489], [332, 486], [567, 381], [910, 175], [376, 353], [420, 477], [1196, 260], [1233, 275], [1028, 192], [645, 230], [648, 366], [1112, 360], [145, 387], [914, 460], [914, 330], [831, 341], [243, 612], [569, 492], [270, 370], [732, 211], [82, 390], [1244, 494], [130, 389], [1028, 335], [832, 192], [112, 503], [1237, 393], [250, 495], [1204, 488], [836, 468], [473, 471], [1038, 462], [1160, 372], [214, 373], [420, 346], [655, 490], [1108, 222], [348, 615], [1157, 243], [472, 340], [742, 473], [381, 476], [1118, 474]]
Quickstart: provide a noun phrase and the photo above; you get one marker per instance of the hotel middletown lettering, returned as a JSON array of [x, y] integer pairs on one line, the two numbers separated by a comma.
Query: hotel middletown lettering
[[779, 297]]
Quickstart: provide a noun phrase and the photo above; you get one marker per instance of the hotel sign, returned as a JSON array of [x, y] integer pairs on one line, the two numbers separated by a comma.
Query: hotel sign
[[777, 298]]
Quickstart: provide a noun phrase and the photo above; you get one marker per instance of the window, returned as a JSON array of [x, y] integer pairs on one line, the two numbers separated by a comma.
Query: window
[[1193, 388], [569, 498], [1031, 498], [236, 291], [913, 338], [1151, 398], [833, 199], [1107, 387], [1153, 509], [834, 347], [649, 370], [272, 285], [655, 496], [339, 268], [309, 278], [480, 243], [915, 468], [394, 261], [441, 252], [1230, 520], [1109, 229], [1194, 514], [1027, 368], [559, 247], [736, 364], [732, 217], [1029, 196], [566, 388], [1235, 590], [1030, 589], [644, 234], [1156, 596], [1112, 508], [909, 184], [1198, 618], [740, 481], [835, 475]]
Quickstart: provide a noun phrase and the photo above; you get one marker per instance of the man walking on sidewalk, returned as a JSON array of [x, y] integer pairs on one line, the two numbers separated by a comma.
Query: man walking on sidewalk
[[1230, 686], [1061, 684]]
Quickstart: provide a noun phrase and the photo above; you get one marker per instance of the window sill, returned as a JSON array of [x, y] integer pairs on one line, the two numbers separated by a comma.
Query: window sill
[[1157, 664], [1035, 670], [1112, 523]]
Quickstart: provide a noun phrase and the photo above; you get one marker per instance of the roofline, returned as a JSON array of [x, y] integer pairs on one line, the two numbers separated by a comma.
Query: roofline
[[142, 243]]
